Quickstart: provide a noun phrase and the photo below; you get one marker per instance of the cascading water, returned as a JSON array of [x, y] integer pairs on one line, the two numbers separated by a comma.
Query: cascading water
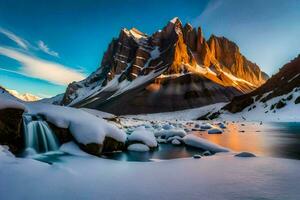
[[39, 138]]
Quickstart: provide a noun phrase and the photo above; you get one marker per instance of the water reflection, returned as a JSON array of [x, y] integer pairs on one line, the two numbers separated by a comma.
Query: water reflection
[[268, 139]]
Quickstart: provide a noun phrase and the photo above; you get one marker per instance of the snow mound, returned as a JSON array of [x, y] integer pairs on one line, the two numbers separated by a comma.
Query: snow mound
[[73, 149], [195, 141], [85, 128], [141, 134], [138, 147]]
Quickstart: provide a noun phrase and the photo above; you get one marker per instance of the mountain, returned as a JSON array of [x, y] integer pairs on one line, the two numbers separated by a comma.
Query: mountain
[[278, 98], [56, 100], [172, 69], [23, 97]]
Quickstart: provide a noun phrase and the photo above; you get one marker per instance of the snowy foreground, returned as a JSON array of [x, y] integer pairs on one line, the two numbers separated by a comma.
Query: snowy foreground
[[222, 176], [82, 176]]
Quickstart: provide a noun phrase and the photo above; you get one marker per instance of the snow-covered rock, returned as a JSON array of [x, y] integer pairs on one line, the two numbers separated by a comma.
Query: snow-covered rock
[[222, 125], [215, 130], [138, 147], [141, 134], [245, 155], [195, 141], [176, 142], [170, 133], [206, 126]]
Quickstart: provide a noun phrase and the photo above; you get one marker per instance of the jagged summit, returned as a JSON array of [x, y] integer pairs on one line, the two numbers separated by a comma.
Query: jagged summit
[[158, 65]]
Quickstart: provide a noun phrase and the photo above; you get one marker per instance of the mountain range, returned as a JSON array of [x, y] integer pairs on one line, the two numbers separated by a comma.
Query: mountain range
[[174, 68], [23, 97]]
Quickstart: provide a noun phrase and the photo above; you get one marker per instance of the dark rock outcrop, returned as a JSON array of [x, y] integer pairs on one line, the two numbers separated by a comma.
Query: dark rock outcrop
[[109, 145], [11, 129]]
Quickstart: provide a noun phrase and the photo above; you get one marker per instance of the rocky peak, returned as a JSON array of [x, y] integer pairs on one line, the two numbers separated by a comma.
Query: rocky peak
[[174, 50]]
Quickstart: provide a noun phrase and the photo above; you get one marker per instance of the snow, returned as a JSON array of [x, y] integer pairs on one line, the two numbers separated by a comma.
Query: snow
[[188, 114], [141, 134], [174, 20], [138, 147], [206, 126], [98, 113], [10, 103], [85, 128], [72, 149], [170, 133], [25, 96], [195, 141], [214, 177], [262, 111], [176, 142]]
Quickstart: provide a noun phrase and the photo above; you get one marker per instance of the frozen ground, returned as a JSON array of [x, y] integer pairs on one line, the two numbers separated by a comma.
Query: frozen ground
[[216, 177]]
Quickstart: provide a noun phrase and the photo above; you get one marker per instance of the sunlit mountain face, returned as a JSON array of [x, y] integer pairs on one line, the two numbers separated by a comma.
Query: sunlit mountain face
[[175, 67]]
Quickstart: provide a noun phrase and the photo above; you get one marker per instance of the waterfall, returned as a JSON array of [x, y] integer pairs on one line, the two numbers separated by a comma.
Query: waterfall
[[39, 138]]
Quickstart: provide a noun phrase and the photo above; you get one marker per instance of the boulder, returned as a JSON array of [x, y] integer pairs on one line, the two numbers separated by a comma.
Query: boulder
[[63, 134], [109, 145], [11, 129]]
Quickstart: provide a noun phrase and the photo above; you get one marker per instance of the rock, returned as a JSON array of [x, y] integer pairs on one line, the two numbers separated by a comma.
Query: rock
[[62, 134], [222, 125], [11, 129], [206, 153], [215, 130], [196, 156], [175, 53], [245, 154], [297, 100], [109, 145]]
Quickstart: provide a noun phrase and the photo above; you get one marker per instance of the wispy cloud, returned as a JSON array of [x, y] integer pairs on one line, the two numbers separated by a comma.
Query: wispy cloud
[[211, 7], [42, 69], [18, 40], [42, 46]]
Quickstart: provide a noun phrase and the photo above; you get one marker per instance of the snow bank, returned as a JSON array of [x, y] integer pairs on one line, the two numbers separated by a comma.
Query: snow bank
[[98, 113], [188, 114], [141, 134], [73, 149], [85, 128], [138, 147], [216, 177], [11, 103], [195, 141]]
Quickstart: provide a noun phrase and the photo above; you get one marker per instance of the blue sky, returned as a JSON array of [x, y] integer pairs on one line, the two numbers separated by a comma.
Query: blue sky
[[46, 44]]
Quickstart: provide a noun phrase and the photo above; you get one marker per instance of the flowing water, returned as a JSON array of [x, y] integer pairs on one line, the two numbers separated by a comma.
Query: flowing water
[[39, 138]]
